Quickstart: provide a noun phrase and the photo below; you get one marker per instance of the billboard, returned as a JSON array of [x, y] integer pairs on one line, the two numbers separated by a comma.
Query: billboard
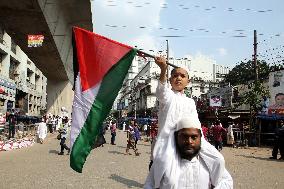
[[35, 40], [215, 101], [278, 107], [276, 86]]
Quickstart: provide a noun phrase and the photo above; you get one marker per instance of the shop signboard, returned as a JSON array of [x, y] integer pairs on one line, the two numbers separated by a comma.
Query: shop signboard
[[35, 40], [276, 81], [7, 84], [215, 101]]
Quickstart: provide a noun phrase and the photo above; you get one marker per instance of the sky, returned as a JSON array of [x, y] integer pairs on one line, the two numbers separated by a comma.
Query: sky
[[219, 29]]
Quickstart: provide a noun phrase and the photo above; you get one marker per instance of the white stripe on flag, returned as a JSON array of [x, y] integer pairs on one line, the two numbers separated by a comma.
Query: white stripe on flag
[[82, 104]]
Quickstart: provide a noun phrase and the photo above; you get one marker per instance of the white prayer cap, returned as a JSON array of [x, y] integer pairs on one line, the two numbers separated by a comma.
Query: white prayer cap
[[182, 67], [188, 122], [185, 68]]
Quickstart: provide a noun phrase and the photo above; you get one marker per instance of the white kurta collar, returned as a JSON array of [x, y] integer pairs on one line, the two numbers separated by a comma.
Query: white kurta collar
[[179, 93]]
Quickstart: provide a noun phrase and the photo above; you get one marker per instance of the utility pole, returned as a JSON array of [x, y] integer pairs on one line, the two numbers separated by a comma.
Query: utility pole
[[168, 70], [255, 56]]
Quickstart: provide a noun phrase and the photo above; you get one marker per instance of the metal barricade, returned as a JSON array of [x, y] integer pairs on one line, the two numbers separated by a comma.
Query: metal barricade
[[239, 138]]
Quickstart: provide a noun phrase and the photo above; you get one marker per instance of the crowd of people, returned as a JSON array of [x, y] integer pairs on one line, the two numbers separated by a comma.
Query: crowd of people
[[42, 125], [12, 121], [134, 132], [55, 125]]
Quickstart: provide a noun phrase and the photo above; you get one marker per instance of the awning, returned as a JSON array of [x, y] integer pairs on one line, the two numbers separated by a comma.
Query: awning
[[234, 116], [270, 117]]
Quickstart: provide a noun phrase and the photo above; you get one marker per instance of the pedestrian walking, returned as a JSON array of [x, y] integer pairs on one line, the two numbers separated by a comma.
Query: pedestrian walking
[[218, 132], [205, 131], [63, 136], [42, 131], [137, 133], [58, 122], [123, 126], [49, 123], [100, 140], [278, 142], [230, 134], [53, 122], [145, 128], [113, 133], [12, 120], [131, 142], [153, 138]]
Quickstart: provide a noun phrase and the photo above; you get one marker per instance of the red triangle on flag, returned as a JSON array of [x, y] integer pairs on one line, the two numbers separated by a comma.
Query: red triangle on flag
[[96, 55]]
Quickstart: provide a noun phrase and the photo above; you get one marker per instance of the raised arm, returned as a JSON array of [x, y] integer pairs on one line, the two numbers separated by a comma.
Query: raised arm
[[163, 92], [162, 63]]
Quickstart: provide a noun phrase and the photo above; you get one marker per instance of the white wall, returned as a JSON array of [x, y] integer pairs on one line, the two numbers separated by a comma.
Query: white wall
[[59, 96], [202, 66]]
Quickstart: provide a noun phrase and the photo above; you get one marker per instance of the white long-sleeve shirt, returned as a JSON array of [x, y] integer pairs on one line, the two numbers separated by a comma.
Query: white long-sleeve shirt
[[175, 104], [42, 130], [194, 175]]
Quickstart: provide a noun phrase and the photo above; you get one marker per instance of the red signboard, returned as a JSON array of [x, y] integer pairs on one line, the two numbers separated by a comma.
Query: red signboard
[[35, 40]]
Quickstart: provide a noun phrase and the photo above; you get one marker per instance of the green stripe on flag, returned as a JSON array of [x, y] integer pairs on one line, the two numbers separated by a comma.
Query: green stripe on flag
[[110, 86]]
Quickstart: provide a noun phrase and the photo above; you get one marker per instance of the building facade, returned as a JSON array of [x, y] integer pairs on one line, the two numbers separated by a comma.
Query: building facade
[[22, 84], [138, 92], [143, 88], [219, 72]]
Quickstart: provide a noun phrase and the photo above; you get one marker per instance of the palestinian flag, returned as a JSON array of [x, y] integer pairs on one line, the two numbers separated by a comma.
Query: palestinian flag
[[100, 66]]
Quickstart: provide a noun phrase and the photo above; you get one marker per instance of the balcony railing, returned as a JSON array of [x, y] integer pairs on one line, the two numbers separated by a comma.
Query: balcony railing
[[30, 85]]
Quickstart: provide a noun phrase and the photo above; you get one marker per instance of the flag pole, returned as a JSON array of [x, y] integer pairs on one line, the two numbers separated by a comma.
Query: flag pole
[[143, 54]]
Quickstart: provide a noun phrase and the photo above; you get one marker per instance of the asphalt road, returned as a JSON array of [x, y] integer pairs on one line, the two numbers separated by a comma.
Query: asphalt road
[[107, 167]]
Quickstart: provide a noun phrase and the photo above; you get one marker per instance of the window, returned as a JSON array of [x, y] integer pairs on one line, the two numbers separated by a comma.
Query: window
[[1, 34], [202, 89], [13, 69], [13, 46]]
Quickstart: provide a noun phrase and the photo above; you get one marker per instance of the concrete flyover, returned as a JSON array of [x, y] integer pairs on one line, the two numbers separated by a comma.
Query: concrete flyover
[[53, 19]]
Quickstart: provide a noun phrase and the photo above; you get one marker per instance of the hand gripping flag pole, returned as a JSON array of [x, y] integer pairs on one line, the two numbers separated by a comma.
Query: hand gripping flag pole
[[143, 54]]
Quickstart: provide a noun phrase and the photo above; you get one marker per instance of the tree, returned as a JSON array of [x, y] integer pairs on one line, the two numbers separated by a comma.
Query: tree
[[254, 98], [244, 72], [277, 67]]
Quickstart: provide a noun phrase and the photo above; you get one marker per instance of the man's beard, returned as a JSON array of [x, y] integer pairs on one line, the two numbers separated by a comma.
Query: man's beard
[[186, 154]]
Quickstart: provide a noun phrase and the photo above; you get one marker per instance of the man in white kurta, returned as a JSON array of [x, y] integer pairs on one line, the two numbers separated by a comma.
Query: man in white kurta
[[193, 171], [42, 131], [230, 134]]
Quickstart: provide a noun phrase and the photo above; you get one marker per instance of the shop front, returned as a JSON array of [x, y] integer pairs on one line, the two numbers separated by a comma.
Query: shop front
[[7, 95]]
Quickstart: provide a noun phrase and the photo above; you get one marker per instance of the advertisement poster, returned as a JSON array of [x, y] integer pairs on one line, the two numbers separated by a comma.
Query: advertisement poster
[[35, 40], [215, 101], [277, 93]]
